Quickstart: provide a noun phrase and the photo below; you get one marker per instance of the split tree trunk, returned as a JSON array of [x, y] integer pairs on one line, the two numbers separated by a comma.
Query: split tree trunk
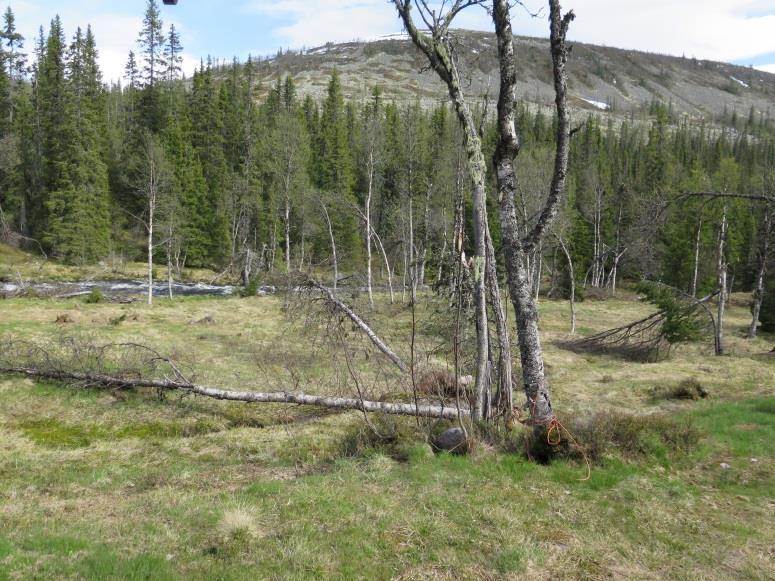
[[572, 275], [758, 291], [436, 49], [333, 244], [722, 284], [693, 290], [531, 354]]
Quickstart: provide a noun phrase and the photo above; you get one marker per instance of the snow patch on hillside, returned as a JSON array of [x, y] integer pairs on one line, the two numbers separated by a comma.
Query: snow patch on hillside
[[598, 104]]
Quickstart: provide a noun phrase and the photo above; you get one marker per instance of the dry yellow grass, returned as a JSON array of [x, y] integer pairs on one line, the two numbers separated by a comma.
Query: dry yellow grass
[[99, 485]]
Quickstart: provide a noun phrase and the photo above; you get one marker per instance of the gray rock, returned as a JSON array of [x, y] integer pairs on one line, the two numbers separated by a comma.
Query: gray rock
[[452, 440]]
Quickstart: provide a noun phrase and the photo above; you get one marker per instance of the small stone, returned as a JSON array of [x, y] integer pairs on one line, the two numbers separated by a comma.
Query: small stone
[[725, 466], [754, 460]]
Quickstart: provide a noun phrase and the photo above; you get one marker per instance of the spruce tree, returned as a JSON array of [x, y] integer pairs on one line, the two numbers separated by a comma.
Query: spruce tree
[[205, 102], [336, 170], [6, 107], [131, 72], [172, 55], [151, 41], [154, 67], [78, 213], [15, 60]]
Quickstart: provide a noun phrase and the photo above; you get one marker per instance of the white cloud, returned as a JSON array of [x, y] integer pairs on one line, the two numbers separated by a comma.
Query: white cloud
[[115, 36], [727, 30], [766, 68], [315, 23], [712, 29]]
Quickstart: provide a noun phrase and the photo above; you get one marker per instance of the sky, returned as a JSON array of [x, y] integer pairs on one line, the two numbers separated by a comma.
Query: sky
[[738, 31]]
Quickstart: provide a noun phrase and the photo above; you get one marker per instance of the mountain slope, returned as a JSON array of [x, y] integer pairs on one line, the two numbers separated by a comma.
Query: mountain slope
[[601, 78]]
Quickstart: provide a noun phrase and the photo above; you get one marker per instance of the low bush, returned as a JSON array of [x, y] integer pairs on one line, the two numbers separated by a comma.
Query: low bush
[[397, 437], [94, 297], [607, 434]]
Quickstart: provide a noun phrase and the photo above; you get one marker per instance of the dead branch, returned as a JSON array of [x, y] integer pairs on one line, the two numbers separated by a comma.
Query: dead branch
[[752, 197], [640, 340], [339, 305]]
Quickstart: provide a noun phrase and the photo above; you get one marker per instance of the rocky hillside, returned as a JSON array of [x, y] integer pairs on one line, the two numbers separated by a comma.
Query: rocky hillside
[[601, 78]]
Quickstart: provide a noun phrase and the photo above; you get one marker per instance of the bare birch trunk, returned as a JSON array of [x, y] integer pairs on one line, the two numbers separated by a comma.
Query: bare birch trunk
[[537, 277], [722, 284], [287, 223], [443, 250], [505, 397], [693, 290], [352, 315], [333, 244], [368, 228], [387, 264], [151, 210], [286, 397], [411, 259], [273, 247], [572, 275], [169, 263], [758, 292], [425, 236]]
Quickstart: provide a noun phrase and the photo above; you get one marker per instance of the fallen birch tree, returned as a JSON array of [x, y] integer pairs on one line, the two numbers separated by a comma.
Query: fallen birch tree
[[36, 362], [284, 397]]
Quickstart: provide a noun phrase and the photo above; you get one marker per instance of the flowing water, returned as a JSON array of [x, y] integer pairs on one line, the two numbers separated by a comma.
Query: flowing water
[[121, 288]]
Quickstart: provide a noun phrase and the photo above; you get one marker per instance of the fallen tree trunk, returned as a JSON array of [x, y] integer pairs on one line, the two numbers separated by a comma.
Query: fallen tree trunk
[[341, 403], [341, 306]]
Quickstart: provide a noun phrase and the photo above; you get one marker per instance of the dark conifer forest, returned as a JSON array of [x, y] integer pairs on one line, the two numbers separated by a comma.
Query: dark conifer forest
[[246, 174]]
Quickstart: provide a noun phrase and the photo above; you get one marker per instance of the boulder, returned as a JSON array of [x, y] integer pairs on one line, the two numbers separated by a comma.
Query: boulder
[[453, 440]]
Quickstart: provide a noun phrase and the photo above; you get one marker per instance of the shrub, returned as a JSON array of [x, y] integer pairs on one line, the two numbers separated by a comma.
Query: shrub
[[767, 313], [688, 389], [251, 290], [94, 297], [682, 320], [394, 436], [614, 433]]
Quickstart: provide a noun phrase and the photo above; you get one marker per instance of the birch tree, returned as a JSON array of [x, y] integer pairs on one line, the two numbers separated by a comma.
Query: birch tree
[[154, 179], [516, 248], [765, 233], [435, 45]]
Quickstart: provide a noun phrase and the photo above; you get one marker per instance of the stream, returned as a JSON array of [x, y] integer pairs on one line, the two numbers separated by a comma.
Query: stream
[[121, 288]]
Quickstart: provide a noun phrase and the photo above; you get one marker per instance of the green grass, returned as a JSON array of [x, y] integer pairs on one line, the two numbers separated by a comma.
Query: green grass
[[164, 507], [97, 484]]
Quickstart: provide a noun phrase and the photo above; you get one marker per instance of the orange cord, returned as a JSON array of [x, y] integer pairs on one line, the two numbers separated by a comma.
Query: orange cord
[[554, 429]]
